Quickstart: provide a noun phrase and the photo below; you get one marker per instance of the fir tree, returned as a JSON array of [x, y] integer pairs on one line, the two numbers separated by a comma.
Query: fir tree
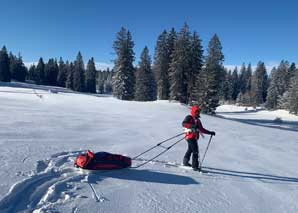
[[40, 72], [161, 66], [248, 78], [4, 66], [290, 74], [214, 68], [79, 74], [259, 84], [196, 64], [51, 72], [90, 76], [235, 84], [108, 88], [145, 83], [272, 93], [242, 79], [228, 86], [62, 74], [70, 72], [180, 67], [31, 73], [124, 77], [100, 82], [293, 70], [293, 94]]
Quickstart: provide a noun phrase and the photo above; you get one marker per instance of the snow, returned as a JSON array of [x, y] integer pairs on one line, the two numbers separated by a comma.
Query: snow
[[281, 119], [251, 162]]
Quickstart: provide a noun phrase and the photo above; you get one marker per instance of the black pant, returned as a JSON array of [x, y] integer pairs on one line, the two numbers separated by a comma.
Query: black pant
[[192, 149]]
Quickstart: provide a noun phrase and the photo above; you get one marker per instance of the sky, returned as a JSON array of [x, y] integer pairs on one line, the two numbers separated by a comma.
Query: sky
[[249, 31]]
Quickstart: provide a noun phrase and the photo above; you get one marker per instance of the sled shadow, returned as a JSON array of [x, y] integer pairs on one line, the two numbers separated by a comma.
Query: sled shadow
[[252, 175], [286, 125], [142, 176]]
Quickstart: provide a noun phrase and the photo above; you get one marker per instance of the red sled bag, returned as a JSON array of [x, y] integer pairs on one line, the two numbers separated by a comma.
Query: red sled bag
[[102, 161]]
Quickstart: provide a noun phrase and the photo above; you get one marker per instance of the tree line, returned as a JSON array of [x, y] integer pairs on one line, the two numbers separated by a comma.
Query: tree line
[[72, 75], [180, 71]]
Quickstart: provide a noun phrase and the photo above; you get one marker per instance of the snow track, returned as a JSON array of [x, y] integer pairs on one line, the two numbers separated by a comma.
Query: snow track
[[54, 182]]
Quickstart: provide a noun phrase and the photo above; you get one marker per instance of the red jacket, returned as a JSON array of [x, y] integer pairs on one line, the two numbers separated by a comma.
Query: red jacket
[[191, 123]]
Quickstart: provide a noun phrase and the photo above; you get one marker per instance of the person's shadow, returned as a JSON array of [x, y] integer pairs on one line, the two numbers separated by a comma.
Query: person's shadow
[[227, 173], [142, 176]]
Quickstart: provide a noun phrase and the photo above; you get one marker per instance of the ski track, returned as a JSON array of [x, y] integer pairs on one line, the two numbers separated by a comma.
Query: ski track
[[53, 182]]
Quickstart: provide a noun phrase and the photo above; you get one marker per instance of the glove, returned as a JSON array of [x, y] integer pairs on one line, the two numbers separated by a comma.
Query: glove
[[212, 133]]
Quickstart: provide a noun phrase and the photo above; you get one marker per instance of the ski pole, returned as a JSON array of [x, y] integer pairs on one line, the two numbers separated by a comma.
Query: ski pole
[[157, 145], [167, 148], [206, 151]]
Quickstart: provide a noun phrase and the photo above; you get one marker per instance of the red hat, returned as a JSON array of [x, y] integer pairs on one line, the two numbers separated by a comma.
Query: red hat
[[194, 109]]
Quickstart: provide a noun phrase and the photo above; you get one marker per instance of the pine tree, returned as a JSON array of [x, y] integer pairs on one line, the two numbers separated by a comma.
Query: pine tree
[[214, 69], [4, 66], [228, 86], [248, 78], [51, 72], [145, 82], [259, 84], [108, 88], [180, 66], [293, 94], [90, 76], [79, 74], [40, 72], [124, 77], [196, 64], [235, 84], [161, 66], [242, 79], [70, 72], [272, 93], [290, 74], [62, 73], [32, 73], [100, 82], [171, 40]]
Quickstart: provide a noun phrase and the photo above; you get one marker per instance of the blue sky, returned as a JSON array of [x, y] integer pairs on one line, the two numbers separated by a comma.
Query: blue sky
[[249, 30]]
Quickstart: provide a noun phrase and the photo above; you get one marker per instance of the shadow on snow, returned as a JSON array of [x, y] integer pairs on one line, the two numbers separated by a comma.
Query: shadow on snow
[[283, 125], [142, 176], [251, 175]]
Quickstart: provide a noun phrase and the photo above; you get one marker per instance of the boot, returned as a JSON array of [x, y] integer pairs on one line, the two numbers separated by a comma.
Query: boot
[[187, 164]]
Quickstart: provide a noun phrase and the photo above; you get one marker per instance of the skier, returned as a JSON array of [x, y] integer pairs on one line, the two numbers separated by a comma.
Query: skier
[[193, 128]]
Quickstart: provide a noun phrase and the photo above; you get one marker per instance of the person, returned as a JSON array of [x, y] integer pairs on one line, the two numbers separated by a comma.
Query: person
[[193, 129]]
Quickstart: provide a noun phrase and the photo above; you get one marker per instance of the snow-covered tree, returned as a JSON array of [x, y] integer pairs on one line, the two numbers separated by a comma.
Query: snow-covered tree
[[214, 70], [124, 76], [293, 95]]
